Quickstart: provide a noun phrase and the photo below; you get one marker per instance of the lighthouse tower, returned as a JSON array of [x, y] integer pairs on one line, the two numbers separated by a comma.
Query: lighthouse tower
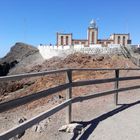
[[92, 33]]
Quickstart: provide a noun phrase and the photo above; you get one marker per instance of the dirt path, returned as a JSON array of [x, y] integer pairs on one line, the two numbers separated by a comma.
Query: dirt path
[[123, 125]]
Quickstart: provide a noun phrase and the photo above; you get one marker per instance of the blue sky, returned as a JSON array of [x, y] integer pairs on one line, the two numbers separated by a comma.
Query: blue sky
[[37, 21]]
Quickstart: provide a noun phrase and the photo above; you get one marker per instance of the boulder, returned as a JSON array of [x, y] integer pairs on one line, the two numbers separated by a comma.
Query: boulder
[[72, 128]]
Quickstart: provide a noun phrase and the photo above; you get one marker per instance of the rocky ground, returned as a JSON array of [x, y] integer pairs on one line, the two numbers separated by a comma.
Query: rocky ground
[[85, 112]]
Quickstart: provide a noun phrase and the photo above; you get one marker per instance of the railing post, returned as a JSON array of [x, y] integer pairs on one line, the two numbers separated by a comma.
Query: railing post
[[116, 85], [68, 96]]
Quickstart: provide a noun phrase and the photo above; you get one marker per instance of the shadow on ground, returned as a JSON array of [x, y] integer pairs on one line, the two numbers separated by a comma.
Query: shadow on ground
[[94, 123]]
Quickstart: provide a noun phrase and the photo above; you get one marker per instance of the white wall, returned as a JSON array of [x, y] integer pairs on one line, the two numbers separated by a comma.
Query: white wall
[[48, 52]]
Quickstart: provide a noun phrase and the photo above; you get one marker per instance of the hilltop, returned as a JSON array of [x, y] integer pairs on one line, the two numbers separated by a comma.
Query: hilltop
[[19, 54]]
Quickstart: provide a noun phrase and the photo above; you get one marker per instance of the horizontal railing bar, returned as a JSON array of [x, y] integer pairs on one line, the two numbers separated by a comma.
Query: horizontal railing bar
[[100, 69], [100, 94], [27, 124], [128, 78], [128, 88], [21, 76], [90, 82], [27, 75], [101, 81], [29, 98], [91, 96]]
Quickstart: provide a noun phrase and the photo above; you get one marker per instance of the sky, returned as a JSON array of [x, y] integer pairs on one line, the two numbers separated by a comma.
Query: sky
[[37, 21]]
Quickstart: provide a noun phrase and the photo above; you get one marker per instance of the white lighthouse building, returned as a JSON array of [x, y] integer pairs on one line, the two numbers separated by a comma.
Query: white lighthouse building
[[65, 39]]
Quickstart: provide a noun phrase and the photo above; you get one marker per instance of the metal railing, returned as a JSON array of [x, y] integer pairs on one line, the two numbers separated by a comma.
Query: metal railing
[[69, 100]]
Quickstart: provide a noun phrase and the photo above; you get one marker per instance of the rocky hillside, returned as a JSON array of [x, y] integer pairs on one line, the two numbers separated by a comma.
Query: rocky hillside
[[80, 60], [76, 60], [19, 54]]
